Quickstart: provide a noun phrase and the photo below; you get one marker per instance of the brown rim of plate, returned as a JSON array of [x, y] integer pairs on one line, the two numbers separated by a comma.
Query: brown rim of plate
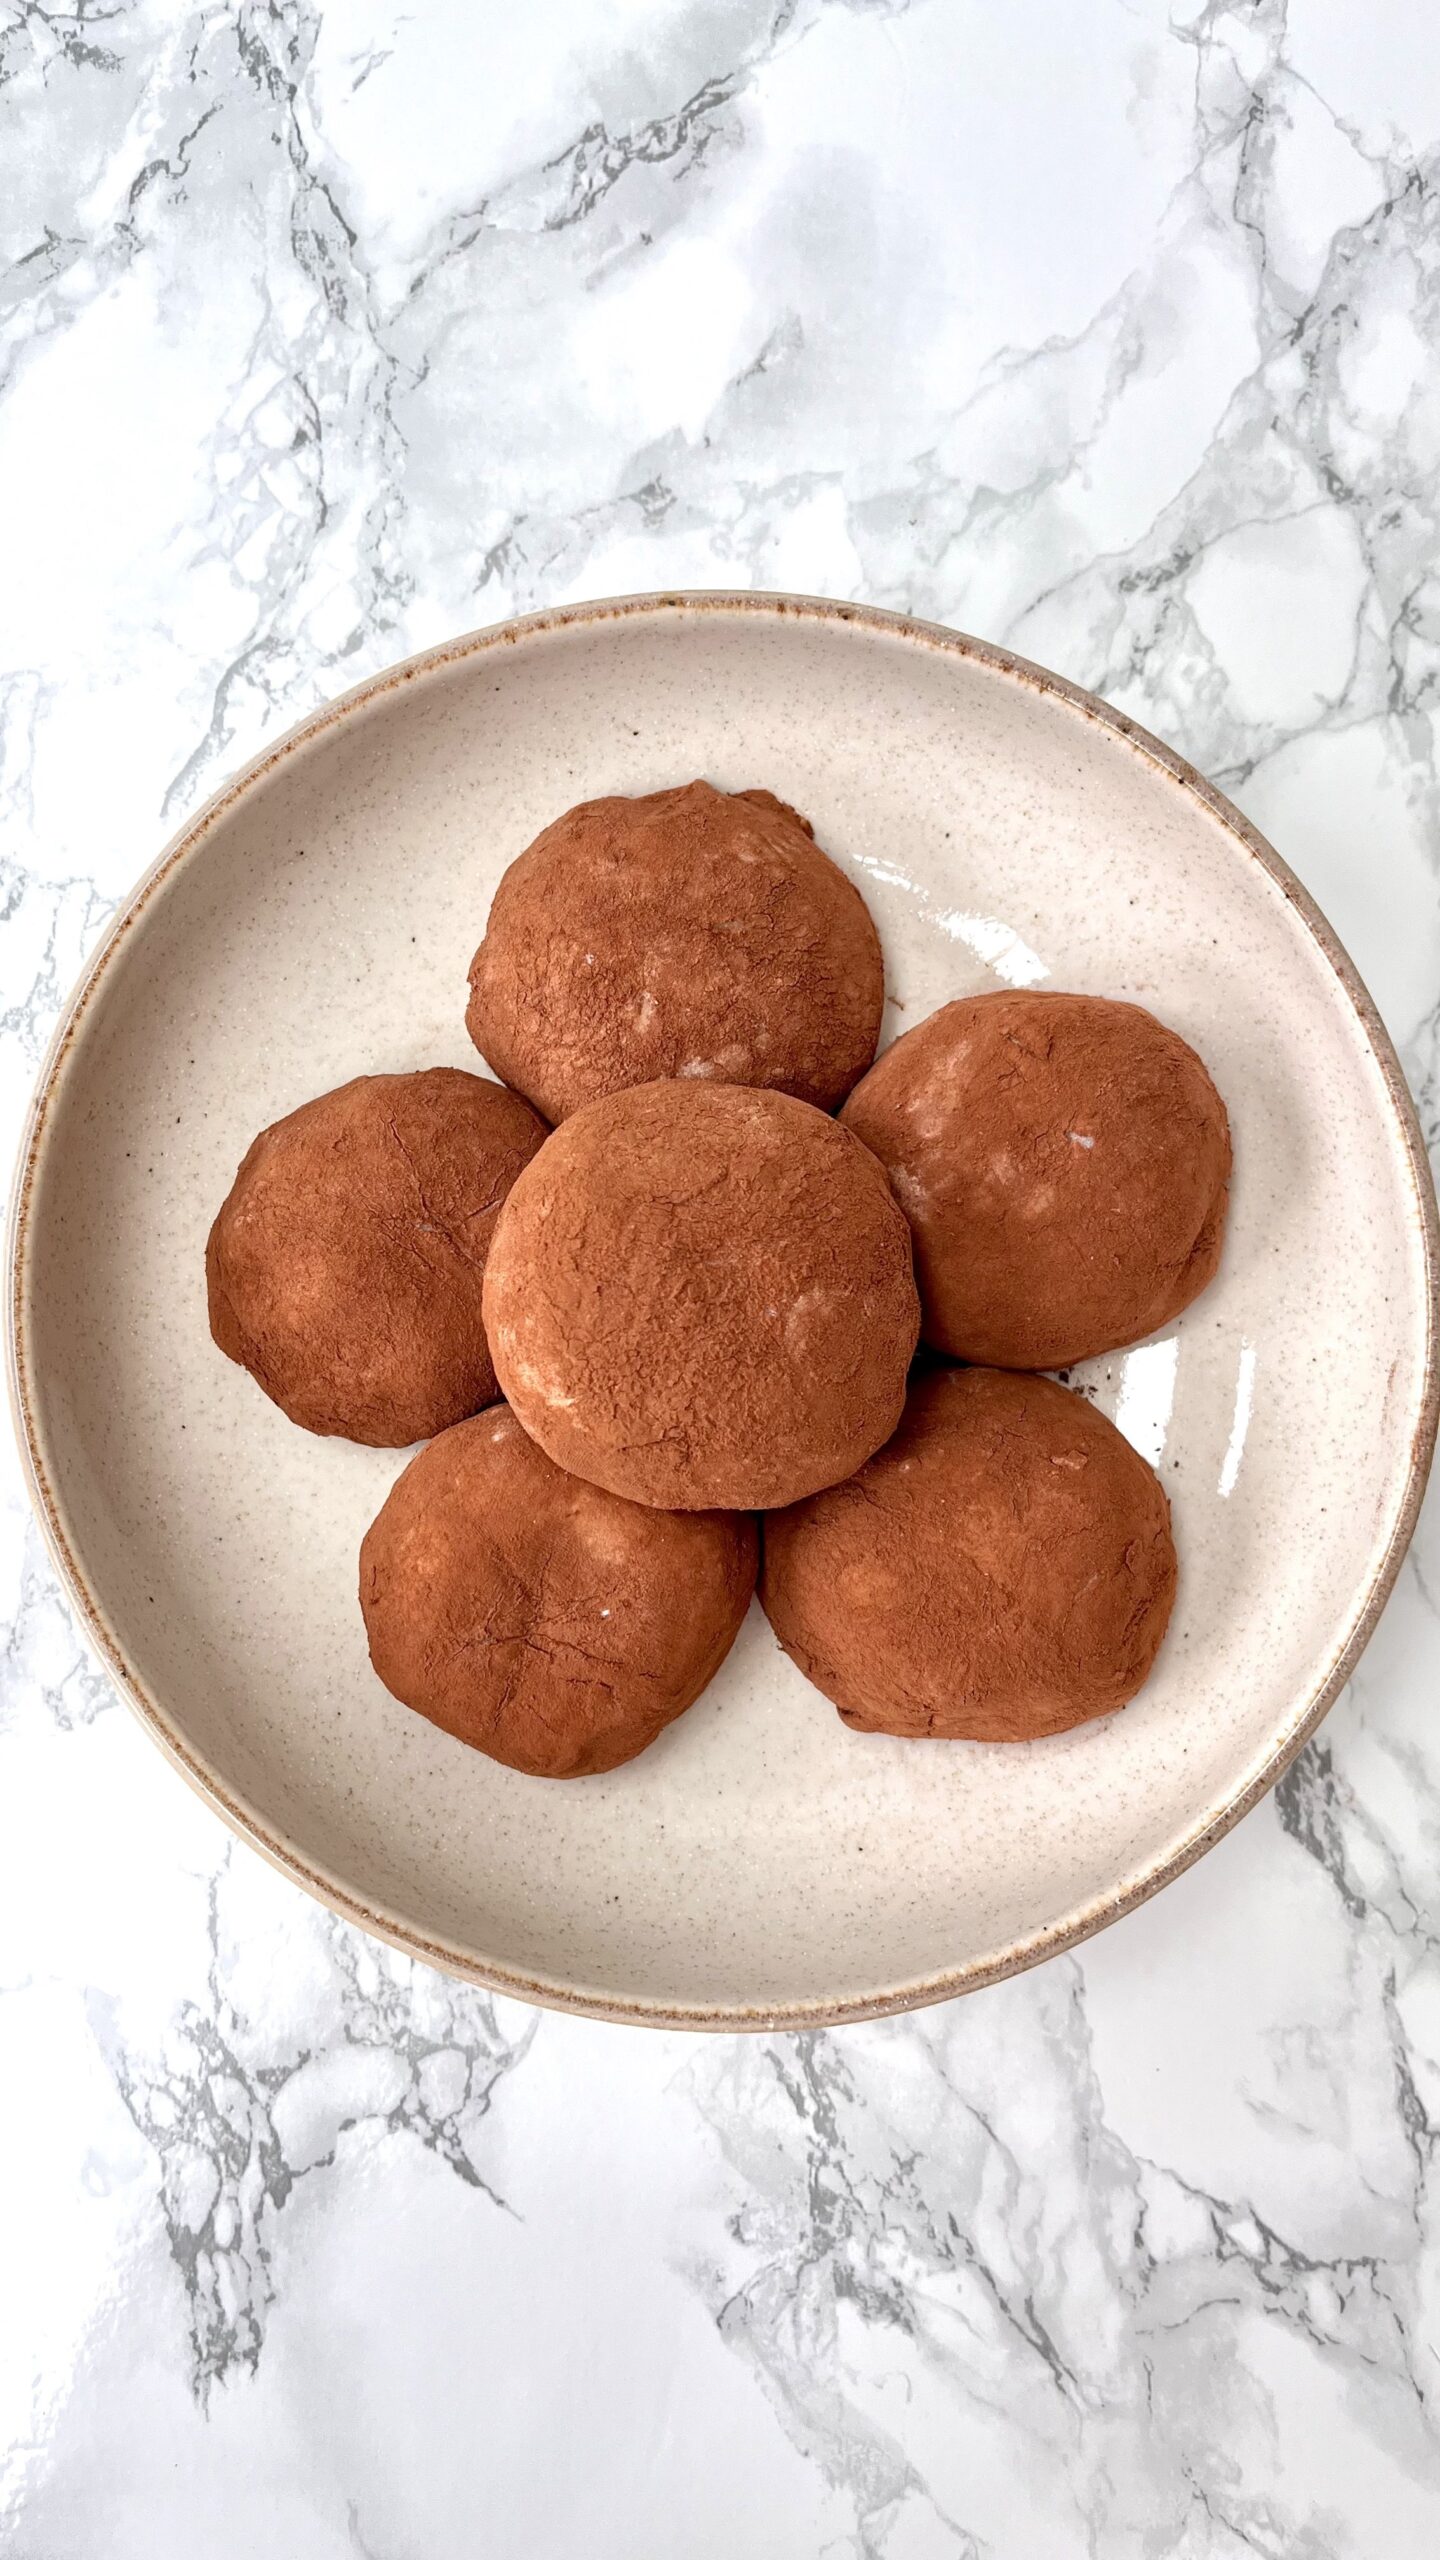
[[388, 1925]]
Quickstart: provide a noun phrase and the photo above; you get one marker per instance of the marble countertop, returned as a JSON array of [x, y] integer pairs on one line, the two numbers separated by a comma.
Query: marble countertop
[[1110, 333]]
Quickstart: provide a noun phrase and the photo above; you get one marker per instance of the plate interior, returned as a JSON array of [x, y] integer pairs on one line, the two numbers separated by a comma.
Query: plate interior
[[760, 1856]]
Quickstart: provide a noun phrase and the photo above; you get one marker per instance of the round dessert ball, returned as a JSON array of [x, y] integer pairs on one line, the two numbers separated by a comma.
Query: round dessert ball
[[701, 1296], [544, 1622], [345, 1267], [1065, 1166], [689, 933], [1003, 1569]]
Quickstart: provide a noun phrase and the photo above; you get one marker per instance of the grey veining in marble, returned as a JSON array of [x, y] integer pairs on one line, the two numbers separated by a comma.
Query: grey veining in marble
[[1110, 333]]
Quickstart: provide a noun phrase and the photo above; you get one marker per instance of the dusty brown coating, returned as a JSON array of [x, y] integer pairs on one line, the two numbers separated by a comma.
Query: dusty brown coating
[[701, 1296], [1065, 1165], [1003, 1569], [539, 1619], [345, 1268], [691, 933]]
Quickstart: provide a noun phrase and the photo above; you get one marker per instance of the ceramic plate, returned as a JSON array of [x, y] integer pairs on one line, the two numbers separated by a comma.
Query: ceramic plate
[[760, 1864]]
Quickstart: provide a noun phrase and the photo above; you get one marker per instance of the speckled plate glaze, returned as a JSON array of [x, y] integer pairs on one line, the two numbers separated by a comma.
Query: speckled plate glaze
[[761, 1865]]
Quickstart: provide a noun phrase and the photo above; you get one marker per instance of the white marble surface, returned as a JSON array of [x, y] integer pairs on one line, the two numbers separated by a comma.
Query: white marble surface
[[1109, 332]]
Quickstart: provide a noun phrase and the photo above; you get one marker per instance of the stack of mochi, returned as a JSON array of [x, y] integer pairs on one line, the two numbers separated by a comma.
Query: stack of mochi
[[695, 1241]]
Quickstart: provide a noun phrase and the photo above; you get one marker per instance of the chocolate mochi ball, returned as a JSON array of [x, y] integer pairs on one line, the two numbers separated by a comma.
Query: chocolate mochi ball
[[1064, 1162], [1001, 1570], [344, 1269], [701, 1296], [687, 933], [543, 1621]]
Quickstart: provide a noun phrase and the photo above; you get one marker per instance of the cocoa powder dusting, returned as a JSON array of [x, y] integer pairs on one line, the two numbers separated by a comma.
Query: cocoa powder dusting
[[701, 1295], [687, 933], [542, 1621], [1064, 1162], [344, 1269], [1001, 1570]]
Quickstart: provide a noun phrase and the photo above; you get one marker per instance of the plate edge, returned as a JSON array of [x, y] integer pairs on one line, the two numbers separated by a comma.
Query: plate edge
[[1058, 1937]]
